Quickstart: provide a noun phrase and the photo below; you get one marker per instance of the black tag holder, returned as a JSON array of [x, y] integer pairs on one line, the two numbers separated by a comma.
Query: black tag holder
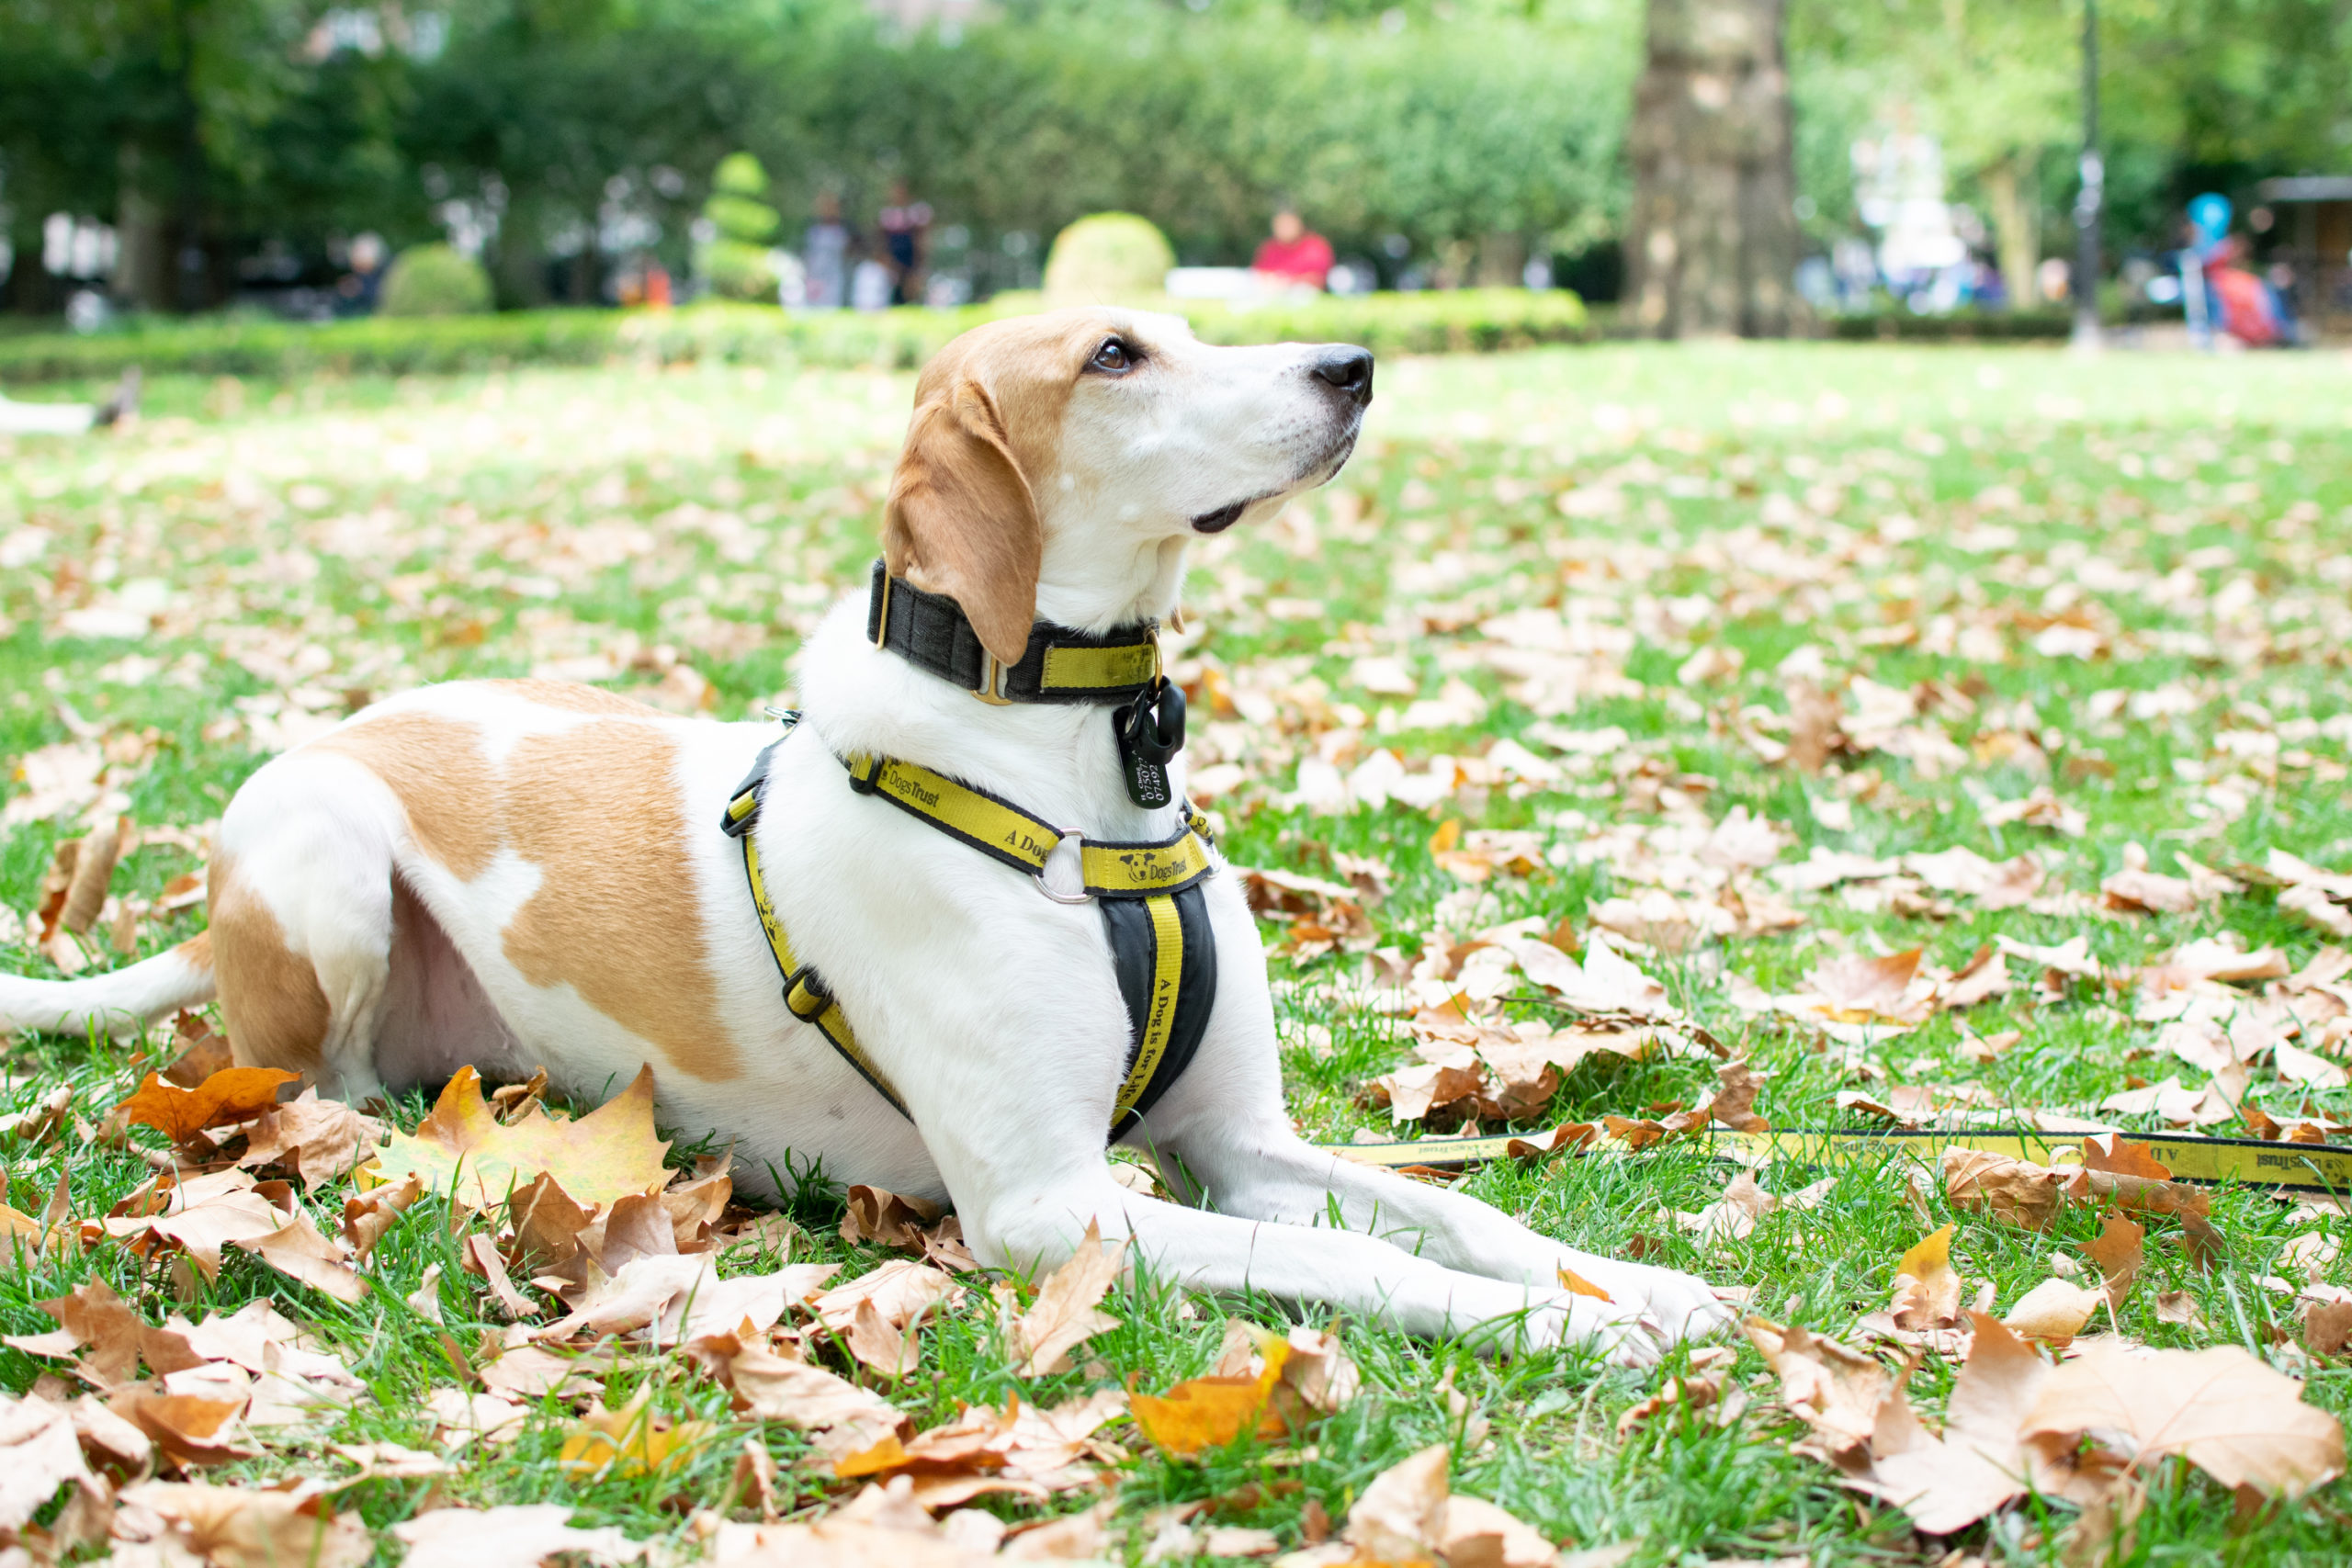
[[1149, 732]]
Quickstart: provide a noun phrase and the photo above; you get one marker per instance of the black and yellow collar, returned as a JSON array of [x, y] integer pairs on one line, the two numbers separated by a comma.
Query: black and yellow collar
[[1061, 664]]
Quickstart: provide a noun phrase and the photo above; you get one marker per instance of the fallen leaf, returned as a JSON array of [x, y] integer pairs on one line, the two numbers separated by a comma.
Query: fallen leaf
[[2118, 1251], [1926, 1287], [41, 1454], [1948, 1482], [632, 1441], [233, 1094], [609, 1154], [238, 1527], [318, 1140], [518, 1535], [2221, 1409], [2054, 1310], [1206, 1413], [1065, 1314]]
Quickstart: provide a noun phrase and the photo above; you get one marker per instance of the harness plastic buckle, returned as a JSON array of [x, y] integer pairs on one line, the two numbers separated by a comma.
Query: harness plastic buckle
[[1081, 896], [863, 771], [804, 997]]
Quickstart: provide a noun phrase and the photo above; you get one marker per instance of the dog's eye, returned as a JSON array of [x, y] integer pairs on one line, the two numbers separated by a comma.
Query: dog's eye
[[1114, 357]]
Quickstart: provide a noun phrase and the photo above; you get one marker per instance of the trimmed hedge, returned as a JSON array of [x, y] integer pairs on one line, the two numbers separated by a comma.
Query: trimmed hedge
[[2039, 325], [1471, 321]]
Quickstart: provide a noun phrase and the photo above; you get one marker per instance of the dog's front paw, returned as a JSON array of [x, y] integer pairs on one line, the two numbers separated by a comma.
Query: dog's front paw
[[1623, 1335], [1681, 1306]]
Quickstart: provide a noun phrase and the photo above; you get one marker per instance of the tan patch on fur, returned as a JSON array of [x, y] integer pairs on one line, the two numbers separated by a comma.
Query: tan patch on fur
[[615, 916], [197, 951], [269, 994], [437, 768], [962, 515], [573, 698]]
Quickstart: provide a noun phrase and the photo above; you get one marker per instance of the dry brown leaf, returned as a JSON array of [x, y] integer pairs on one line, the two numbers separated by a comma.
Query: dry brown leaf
[[1977, 1465], [2055, 1310], [1065, 1313], [1834, 1389], [238, 1527], [517, 1535], [40, 1451], [1734, 1104], [1926, 1287], [767, 1387], [230, 1095], [2223, 1410], [608, 1154], [1409, 1513], [1871, 990], [1023, 1449], [2118, 1251], [367, 1215], [318, 1140]]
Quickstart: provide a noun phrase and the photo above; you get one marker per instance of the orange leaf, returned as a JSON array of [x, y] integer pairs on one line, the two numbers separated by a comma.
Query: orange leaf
[[232, 1094], [1576, 1284], [1208, 1412], [1449, 834], [605, 1156]]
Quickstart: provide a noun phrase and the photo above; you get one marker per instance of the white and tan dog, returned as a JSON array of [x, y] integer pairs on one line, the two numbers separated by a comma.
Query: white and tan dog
[[515, 873]]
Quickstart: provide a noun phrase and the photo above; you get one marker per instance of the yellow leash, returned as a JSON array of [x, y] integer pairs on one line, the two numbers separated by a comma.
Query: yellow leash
[[2302, 1167]]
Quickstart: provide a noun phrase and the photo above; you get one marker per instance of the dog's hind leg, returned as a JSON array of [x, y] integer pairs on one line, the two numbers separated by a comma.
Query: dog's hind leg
[[301, 920]]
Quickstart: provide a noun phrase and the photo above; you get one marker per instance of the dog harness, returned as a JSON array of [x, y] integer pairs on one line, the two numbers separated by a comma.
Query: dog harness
[[1162, 952]]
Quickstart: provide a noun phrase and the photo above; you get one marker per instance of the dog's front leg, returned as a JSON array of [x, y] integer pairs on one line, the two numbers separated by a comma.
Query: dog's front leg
[[1266, 1172], [1035, 1229]]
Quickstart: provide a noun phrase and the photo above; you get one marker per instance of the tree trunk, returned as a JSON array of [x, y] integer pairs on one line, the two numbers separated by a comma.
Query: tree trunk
[[142, 267], [2017, 233], [1714, 242]]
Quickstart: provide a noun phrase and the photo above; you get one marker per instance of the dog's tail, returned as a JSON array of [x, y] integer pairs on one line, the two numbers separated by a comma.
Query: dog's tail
[[117, 1003]]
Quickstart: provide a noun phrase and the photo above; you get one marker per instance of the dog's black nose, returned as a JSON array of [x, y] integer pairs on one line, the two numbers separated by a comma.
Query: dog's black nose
[[1347, 371]]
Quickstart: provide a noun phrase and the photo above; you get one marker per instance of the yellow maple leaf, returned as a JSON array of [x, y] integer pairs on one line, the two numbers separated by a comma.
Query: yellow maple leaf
[[1208, 1412], [462, 1149]]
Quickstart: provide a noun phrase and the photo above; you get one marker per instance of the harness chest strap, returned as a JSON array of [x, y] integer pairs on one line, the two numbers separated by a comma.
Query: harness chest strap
[[1154, 912]]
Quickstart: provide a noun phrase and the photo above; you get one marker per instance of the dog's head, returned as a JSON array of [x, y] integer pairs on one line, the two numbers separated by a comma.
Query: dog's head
[[1106, 434]]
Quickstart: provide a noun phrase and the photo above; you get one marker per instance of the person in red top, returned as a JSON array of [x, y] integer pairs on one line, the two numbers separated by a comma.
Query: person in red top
[[1296, 256]]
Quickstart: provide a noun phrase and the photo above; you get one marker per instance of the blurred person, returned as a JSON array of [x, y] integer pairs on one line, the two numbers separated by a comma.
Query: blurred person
[[1295, 256], [360, 287], [825, 248], [71, 419], [870, 285], [906, 242]]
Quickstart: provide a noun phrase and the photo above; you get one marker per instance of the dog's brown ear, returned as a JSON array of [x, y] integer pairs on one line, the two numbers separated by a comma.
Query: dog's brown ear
[[961, 520]]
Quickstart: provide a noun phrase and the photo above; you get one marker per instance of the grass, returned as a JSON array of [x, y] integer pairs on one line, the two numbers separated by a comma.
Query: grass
[[300, 546]]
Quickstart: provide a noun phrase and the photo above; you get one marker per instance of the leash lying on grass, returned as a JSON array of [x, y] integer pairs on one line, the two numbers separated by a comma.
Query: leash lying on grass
[[2303, 1168]]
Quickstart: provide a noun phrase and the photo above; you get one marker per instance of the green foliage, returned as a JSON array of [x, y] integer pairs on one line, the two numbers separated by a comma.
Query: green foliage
[[436, 280], [1109, 259], [737, 262], [1465, 319]]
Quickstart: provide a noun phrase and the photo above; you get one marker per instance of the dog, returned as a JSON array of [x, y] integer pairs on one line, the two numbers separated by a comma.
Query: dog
[[508, 874]]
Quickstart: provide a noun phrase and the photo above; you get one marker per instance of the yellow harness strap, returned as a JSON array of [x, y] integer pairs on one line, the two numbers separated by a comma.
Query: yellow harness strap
[[1154, 955], [804, 993], [1023, 840]]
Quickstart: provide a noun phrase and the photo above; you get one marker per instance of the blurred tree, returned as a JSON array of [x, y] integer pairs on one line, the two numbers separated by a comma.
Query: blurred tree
[[1714, 242], [735, 259]]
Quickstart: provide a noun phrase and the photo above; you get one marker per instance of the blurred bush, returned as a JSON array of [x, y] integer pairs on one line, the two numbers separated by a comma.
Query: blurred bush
[[1467, 321], [1108, 258], [434, 280], [737, 261]]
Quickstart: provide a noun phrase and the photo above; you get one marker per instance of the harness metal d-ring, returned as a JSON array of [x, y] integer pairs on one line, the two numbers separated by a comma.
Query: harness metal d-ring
[[991, 687], [1077, 841]]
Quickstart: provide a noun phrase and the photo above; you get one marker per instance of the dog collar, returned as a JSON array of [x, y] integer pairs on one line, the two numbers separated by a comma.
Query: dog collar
[[1060, 665]]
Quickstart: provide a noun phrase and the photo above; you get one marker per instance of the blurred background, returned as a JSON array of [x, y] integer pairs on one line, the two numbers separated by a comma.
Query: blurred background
[[1760, 167]]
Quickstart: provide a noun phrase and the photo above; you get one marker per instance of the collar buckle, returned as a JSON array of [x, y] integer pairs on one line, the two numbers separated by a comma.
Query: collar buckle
[[991, 687]]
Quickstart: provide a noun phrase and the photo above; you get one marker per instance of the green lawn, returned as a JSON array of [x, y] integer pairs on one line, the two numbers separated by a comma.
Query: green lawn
[[2123, 579]]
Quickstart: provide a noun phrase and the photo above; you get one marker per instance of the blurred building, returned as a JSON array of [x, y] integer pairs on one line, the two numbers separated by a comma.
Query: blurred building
[[2312, 216]]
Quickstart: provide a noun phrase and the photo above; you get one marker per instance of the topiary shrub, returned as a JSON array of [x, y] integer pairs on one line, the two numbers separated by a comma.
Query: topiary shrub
[[736, 258], [434, 280], [1109, 258]]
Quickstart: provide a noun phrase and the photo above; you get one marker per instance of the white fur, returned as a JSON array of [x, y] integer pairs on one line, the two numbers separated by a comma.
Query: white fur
[[991, 1008]]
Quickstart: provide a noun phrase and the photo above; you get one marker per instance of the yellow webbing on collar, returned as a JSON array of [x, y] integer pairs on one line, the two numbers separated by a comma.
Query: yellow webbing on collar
[[1097, 668], [1023, 840]]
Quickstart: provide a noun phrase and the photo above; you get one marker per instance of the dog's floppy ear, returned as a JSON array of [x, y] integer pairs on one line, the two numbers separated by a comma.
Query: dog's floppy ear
[[961, 520]]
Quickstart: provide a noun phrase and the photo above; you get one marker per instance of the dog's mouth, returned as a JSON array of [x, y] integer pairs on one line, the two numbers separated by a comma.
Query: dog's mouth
[[1321, 471], [1225, 518]]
